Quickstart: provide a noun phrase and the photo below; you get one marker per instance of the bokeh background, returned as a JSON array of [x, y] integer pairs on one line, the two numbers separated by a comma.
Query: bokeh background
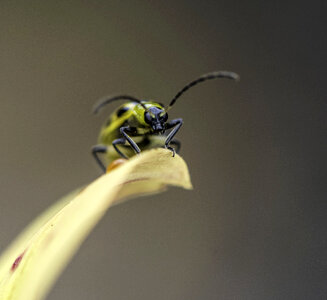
[[253, 227]]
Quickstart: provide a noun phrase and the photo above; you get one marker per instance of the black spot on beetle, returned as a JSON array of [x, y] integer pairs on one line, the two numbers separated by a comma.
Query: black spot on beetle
[[122, 110]]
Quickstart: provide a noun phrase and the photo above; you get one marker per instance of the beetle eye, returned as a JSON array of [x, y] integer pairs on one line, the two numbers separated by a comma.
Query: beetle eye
[[147, 117], [164, 118]]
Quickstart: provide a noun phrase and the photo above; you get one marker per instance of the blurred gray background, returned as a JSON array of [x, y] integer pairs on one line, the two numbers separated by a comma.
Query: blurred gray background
[[253, 227]]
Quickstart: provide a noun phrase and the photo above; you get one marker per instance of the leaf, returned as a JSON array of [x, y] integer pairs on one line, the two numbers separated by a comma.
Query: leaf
[[30, 266]]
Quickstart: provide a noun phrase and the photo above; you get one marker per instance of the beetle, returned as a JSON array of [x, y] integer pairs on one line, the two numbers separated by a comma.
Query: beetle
[[142, 124]]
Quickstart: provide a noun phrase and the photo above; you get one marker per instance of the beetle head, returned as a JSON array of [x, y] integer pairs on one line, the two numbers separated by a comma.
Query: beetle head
[[156, 118]]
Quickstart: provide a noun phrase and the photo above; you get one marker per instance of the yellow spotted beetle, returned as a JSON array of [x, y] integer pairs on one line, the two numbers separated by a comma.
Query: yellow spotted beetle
[[141, 124]]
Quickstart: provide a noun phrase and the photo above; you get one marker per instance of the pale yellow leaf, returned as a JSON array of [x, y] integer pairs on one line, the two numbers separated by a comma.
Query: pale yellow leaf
[[30, 266]]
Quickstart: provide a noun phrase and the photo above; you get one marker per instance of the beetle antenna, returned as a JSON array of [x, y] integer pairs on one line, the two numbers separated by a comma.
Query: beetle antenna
[[106, 101], [212, 75]]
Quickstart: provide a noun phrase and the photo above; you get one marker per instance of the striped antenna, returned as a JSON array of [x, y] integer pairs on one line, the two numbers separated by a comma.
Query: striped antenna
[[205, 77]]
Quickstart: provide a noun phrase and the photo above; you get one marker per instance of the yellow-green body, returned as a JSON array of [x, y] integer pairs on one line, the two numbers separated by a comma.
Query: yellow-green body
[[132, 117]]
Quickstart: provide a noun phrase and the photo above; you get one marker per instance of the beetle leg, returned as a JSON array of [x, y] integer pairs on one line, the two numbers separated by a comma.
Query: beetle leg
[[176, 125], [129, 140], [116, 142], [95, 151], [177, 145]]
